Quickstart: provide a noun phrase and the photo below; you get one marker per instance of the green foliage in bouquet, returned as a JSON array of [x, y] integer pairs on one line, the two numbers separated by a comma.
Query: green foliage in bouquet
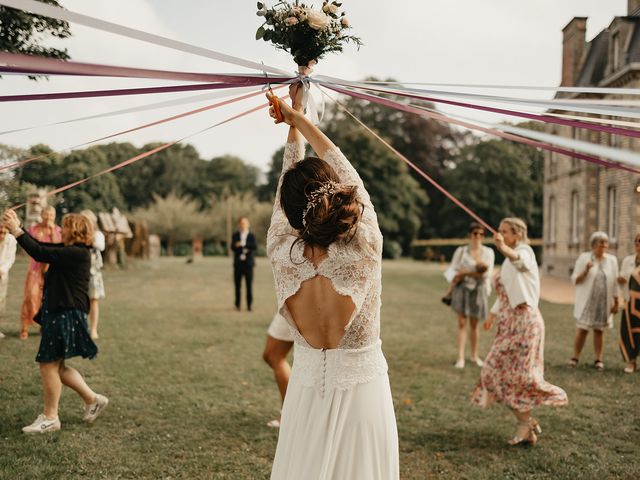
[[306, 33]]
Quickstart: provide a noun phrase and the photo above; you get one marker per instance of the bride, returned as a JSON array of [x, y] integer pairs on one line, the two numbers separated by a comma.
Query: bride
[[325, 247]]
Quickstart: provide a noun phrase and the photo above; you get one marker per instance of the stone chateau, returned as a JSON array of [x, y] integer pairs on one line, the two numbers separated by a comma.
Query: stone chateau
[[581, 198]]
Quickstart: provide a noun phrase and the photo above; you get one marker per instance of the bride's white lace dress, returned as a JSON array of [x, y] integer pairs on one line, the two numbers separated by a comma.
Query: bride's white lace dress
[[338, 420]]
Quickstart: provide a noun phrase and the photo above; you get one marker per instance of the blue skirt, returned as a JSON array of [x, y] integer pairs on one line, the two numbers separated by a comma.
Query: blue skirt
[[64, 335]]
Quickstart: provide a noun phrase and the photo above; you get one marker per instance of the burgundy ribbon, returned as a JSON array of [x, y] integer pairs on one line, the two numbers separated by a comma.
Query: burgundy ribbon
[[34, 65]]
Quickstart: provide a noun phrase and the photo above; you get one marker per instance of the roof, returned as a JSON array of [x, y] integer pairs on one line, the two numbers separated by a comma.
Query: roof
[[593, 68]]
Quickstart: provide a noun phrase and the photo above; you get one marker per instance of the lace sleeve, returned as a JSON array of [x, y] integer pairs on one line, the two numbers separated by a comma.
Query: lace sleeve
[[293, 152], [368, 229]]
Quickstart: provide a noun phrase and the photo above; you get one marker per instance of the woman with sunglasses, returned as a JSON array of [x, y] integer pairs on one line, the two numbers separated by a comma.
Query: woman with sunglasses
[[469, 275], [629, 281]]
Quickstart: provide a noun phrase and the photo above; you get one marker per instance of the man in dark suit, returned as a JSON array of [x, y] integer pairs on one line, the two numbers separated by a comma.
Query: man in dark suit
[[243, 243]]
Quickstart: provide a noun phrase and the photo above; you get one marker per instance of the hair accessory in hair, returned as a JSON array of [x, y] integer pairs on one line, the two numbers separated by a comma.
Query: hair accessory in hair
[[313, 199]]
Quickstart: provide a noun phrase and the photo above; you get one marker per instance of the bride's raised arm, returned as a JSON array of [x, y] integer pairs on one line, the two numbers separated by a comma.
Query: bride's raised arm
[[322, 145]]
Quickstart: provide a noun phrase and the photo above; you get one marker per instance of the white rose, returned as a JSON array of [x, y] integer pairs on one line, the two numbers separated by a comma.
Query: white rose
[[344, 22], [291, 21], [317, 20]]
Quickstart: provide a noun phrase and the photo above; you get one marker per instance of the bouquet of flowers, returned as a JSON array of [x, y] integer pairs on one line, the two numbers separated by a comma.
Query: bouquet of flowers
[[306, 33]]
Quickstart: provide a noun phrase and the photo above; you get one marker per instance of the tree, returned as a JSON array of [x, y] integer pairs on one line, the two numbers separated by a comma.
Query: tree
[[496, 179], [236, 206], [25, 33], [175, 219], [396, 196], [226, 173], [11, 191], [431, 145], [100, 193], [267, 191]]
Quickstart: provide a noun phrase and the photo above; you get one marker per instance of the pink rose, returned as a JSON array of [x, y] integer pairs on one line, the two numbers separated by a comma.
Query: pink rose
[[344, 22], [291, 21]]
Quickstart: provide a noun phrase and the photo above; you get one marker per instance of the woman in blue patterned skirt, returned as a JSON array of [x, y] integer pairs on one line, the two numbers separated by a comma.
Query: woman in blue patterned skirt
[[63, 316]]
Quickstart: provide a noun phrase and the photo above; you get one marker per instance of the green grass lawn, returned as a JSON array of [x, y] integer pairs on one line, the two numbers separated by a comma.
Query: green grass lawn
[[190, 395]]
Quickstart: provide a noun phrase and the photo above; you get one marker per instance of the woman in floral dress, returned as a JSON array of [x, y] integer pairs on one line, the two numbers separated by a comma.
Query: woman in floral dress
[[513, 372], [45, 231]]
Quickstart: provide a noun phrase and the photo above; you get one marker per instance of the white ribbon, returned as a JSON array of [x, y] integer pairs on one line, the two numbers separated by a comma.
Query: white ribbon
[[69, 16], [625, 156]]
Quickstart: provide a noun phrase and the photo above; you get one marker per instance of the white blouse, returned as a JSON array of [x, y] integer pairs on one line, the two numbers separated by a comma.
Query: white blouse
[[627, 267], [583, 290], [354, 267], [463, 260], [520, 279]]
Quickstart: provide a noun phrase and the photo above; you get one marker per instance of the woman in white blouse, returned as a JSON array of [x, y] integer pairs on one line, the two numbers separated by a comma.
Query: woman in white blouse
[[596, 278], [470, 277], [629, 281], [513, 372]]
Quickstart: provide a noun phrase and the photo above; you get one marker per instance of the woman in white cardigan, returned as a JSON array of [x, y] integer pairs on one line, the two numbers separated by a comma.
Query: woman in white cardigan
[[596, 278], [470, 277], [513, 372]]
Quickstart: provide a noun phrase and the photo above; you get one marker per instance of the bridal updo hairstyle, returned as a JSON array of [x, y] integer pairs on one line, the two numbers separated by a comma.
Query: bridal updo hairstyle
[[333, 217]]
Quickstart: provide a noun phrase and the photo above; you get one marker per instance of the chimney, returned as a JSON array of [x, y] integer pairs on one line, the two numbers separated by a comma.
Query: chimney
[[633, 9], [573, 46]]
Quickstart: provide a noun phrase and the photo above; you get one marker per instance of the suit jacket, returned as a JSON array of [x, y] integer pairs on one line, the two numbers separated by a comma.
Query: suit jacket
[[248, 249]]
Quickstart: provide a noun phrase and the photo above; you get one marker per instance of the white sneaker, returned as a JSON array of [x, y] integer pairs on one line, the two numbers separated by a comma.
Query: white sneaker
[[42, 425], [92, 411], [459, 364], [477, 361]]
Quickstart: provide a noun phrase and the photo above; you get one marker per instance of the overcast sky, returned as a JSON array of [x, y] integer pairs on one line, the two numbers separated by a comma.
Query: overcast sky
[[456, 41]]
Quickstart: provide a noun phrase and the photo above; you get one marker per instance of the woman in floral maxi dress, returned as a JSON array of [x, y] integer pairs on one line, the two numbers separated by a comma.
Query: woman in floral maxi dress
[[513, 372]]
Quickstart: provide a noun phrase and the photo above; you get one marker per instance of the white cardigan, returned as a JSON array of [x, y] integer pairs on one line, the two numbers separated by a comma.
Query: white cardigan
[[627, 267], [520, 279], [583, 290]]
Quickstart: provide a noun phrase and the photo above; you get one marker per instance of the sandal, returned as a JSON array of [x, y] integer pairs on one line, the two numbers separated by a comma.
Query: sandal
[[535, 426], [630, 368], [530, 439], [598, 365], [573, 363]]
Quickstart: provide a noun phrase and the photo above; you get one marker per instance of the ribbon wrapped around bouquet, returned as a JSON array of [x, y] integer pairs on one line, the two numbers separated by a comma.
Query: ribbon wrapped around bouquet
[[308, 34]]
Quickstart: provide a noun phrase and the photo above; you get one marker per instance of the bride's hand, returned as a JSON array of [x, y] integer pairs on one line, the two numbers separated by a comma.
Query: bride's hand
[[289, 115], [296, 94]]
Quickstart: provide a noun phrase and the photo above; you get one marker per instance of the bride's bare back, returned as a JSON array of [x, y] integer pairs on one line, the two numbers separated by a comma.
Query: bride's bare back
[[320, 313]]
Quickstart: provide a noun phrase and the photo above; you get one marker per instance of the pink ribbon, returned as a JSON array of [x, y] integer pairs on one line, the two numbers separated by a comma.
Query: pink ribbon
[[144, 155], [146, 125]]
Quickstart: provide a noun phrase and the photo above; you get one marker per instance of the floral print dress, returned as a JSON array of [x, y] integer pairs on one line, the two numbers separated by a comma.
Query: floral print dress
[[513, 372]]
